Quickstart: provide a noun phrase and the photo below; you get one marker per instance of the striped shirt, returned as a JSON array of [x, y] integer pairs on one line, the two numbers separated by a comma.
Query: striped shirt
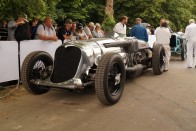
[[3, 33]]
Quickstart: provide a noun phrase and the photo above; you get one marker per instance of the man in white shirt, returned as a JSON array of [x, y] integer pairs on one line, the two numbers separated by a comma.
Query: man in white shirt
[[190, 35], [160, 23], [163, 36], [121, 28], [46, 31]]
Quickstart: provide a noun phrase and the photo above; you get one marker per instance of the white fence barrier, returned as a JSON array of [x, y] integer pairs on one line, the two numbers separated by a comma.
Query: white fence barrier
[[9, 66], [8, 61], [26, 47]]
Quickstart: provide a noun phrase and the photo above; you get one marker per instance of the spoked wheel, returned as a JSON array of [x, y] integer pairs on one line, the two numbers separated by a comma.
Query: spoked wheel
[[114, 79], [183, 51], [36, 66], [110, 78], [158, 59]]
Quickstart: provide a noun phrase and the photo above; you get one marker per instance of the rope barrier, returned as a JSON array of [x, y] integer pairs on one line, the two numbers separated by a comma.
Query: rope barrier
[[8, 94]]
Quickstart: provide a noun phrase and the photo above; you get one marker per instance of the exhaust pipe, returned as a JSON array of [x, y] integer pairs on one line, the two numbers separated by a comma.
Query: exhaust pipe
[[135, 70]]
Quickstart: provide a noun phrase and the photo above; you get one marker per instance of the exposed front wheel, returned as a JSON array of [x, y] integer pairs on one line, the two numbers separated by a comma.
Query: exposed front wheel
[[37, 65], [158, 59], [110, 78]]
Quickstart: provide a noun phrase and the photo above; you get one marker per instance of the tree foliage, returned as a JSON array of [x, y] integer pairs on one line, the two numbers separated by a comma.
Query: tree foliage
[[178, 12], [83, 10], [109, 21], [11, 9]]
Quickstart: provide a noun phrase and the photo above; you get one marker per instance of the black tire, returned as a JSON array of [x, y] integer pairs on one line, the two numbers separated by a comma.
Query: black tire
[[158, 59], [31, 70], [107, 86], [183, 52]]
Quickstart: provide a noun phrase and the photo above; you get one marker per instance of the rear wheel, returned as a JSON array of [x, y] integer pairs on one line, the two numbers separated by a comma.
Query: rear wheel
[[37, 65], [183, 52], [158, 59], [110, 78]]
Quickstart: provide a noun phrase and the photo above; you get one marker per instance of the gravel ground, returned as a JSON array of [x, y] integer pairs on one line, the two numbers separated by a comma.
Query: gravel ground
[[149, 103]]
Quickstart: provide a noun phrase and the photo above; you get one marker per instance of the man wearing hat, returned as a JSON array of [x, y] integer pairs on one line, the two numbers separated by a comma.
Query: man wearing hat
[[12, 25], [139, 31], [65, 32], [190, 35], [22, 31], [80, 33]]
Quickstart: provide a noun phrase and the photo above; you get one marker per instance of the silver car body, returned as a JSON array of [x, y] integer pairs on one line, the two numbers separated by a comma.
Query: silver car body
[[91, 52]]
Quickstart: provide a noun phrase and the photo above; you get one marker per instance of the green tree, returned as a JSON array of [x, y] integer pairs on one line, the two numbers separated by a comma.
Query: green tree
[[109, 21], [83, 10], [149, 12], [176, 11], [51, 9], [11, 9]]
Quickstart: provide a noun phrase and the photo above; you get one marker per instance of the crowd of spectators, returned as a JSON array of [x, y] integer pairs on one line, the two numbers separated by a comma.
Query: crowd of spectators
[[45, 30], [70, 30]]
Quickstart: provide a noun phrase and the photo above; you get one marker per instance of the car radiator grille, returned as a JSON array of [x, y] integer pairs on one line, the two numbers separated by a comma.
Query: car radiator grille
[[65, 64]]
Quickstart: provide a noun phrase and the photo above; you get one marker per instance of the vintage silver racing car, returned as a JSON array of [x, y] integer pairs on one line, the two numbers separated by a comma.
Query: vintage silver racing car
[[100, 63]]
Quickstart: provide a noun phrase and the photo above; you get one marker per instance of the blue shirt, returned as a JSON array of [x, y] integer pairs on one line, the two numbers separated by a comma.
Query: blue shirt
[[139, 32]]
